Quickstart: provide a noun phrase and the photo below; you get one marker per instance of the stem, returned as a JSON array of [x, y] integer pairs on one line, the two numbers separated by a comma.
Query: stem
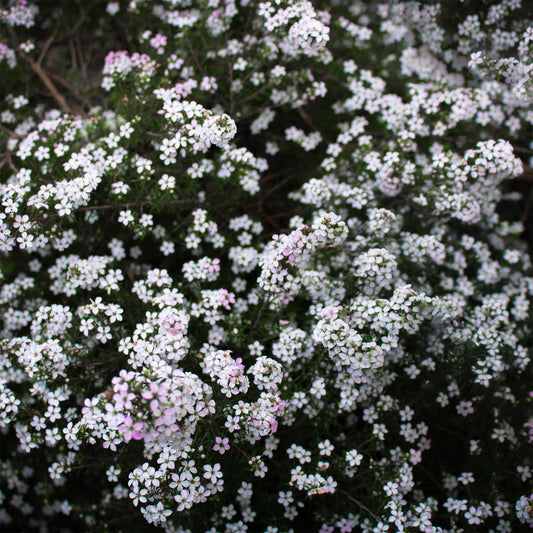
[[359, 504], [120, 206], [265, 301]]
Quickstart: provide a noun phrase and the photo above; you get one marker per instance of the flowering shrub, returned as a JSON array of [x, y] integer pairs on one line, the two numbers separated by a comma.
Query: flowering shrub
[[260, 276]]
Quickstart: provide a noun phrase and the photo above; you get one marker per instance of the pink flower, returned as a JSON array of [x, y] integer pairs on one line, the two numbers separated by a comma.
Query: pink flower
[[132, 430], [221, 445]]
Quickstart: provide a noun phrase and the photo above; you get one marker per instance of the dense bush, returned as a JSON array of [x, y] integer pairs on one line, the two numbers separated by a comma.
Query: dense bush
[[262, 266]]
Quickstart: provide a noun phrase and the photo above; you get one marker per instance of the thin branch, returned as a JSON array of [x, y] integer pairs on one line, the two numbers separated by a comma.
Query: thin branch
[[306, 118], [72, 54], [360, 504], [58, 97], [36, 67], [522, 150], [259, 315], [80, 57], [7, 159], [268, 177], [66, 85], [71, 468], [46, 46], [125, 205]]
